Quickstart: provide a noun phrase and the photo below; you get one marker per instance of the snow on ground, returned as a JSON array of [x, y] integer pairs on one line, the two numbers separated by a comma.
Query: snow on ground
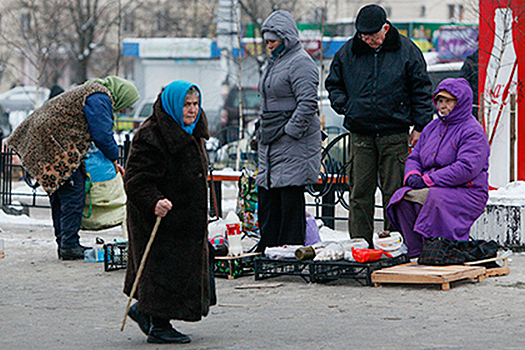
[[41, 233], [511, 194], [22, 220]]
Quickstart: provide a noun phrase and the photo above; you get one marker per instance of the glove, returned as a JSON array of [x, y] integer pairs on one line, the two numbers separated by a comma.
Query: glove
[[416, 182]]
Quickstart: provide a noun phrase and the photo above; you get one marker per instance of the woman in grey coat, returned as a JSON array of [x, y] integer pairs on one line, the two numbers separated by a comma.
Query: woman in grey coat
[[289, 134]]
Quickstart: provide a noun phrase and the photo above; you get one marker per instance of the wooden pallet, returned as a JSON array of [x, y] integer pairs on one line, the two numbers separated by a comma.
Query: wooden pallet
[[496, 271], [425, 274]]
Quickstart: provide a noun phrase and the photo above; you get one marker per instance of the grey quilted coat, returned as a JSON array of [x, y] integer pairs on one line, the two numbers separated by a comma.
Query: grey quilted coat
[[290, 83]]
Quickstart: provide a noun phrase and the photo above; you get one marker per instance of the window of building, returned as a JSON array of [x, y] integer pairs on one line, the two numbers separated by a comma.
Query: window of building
[[455, 13], [423, 12], [317, 14], [162, 21], [128, 22]]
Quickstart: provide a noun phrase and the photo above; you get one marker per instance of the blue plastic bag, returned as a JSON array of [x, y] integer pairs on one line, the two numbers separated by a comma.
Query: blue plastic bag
[[98, 166]]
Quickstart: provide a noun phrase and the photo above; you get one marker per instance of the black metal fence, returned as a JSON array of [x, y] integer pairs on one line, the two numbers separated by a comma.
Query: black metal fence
[[327, 194]]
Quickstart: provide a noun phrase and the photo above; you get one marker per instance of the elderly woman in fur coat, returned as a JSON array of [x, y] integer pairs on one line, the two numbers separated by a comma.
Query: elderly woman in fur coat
[[166, 176]]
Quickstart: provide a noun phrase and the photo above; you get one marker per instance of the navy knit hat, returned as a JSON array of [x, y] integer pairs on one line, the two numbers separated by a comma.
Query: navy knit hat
[[370, 19]]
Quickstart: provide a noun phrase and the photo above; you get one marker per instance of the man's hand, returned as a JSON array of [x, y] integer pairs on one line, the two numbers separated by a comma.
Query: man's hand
[[414, 136], [162, 207], [118, 168]]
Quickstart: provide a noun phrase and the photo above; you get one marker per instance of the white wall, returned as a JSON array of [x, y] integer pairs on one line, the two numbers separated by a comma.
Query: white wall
[[152, 75], [405, 10]]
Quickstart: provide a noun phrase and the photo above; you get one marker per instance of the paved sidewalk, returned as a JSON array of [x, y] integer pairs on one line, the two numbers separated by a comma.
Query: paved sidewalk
[[46, 303]]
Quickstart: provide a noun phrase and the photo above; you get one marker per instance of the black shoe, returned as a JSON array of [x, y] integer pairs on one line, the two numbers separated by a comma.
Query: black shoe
[[158, 335], [75, 253], [142, 320], [81, 246]]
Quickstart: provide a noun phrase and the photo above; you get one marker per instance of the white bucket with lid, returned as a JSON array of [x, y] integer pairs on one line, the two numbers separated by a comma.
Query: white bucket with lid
[[390, 243]]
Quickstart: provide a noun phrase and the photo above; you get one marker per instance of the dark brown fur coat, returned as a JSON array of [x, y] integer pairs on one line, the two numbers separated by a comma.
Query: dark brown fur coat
[[167, 162]]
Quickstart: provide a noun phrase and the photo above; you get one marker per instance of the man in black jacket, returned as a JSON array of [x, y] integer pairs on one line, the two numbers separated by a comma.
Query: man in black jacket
[[378, 80]]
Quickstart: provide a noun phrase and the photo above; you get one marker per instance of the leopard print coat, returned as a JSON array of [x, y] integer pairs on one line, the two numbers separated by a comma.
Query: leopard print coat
[[53, 140]]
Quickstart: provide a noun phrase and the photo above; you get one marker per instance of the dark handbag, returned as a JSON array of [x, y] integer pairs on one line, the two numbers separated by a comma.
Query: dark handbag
[[442, 251]]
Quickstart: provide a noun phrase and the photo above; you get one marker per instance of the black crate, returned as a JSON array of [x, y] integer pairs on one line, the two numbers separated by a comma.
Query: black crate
[[233, 267], [323, 271], [267, 268], [115, 256]]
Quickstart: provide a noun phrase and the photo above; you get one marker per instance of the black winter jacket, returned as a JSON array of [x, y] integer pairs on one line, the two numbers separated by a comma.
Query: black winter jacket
[[381, 92]]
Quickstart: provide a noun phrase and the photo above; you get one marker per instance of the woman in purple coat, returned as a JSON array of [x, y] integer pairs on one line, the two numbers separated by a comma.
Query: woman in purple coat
[[446, 180]]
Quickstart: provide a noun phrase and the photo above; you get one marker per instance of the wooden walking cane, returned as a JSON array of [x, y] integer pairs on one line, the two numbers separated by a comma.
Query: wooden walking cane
[[141, 267]]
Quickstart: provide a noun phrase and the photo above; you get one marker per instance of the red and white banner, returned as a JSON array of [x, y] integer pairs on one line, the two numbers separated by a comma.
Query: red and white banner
[[501, 69]]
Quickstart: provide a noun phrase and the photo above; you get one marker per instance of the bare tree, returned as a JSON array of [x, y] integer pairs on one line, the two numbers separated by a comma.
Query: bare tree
[[34, 40], [254, 12], [51, 36], [176, 18]]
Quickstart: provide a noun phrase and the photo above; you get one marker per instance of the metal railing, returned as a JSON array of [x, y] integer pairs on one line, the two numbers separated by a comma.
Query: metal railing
[[329, 192], [326, 195]]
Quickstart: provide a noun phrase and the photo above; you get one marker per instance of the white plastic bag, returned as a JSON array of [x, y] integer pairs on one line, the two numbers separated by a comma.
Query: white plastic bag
[[217, 233], [332, 251]]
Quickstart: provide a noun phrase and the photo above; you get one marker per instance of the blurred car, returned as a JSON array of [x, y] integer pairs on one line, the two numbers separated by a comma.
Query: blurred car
[[143, 110], [333, 122], [229, 117], [440, 71], [226, 155], [23, 98]]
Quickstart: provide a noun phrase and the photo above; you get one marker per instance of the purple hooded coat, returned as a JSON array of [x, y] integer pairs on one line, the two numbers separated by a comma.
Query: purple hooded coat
[[452, 158]]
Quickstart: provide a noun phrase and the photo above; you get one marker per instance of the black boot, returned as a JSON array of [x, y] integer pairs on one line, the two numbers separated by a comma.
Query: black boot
[[161, 332], [70, 252], [75, 253], [142, 320]]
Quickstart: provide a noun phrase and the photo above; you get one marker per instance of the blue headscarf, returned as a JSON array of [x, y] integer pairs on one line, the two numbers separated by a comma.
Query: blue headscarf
[[173, 98]]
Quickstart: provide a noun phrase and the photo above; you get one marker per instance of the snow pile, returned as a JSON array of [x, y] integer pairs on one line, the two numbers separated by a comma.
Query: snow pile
[[511, 194], [22, 220]]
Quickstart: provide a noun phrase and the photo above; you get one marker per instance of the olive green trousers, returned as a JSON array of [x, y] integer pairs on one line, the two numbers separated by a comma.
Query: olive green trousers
[[375, 161]]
